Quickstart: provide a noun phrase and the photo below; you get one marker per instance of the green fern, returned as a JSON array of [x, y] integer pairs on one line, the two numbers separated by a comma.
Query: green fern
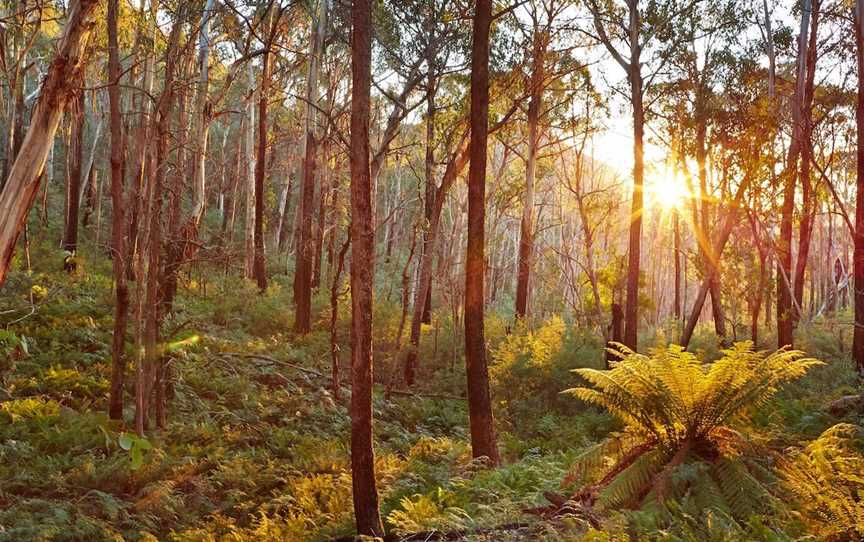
[[678, 411], [827, 480]]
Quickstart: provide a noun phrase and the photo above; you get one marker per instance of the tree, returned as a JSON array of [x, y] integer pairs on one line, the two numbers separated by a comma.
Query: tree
[[74, 175], [633, 68], [303, 266], [785, 311], [118, 220], [362, 276], [58, 88], [483, 442], [858, 234]]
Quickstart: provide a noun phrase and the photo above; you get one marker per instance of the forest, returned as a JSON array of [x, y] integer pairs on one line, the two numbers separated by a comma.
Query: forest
[[418, 270]]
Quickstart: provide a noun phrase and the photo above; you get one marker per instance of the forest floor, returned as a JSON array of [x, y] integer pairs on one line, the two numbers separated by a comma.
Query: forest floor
[[256, 447]]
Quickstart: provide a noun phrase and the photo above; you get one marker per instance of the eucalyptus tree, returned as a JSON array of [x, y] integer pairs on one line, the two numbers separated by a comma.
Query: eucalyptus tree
[[481, 421], [57, 90], [638, 36], [707, 41]]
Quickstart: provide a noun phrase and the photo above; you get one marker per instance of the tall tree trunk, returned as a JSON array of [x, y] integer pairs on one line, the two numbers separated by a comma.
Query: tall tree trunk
[[631, 307], [259, 270], [858, 254], [719, 245], [249, 141], [362, 276], [807, 196], [150, 305], [73, 176], [453, 169], [118, 220], [785, 311], [704, 227], [676, 254], [63, 77], [526, 227], [483, 441], [305, 246], [201, 124]]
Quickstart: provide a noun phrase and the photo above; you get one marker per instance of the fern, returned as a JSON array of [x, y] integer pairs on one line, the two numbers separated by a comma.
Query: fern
[[676, 409], [827, 480]]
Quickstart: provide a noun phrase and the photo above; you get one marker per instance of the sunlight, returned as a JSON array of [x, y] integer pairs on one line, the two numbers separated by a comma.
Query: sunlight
[[667, 191]]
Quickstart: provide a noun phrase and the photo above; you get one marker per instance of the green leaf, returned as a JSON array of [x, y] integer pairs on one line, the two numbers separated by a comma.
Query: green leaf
[[125, 441]]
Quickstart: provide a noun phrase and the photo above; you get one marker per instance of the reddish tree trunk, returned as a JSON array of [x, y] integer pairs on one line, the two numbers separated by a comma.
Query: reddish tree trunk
[[362, 276], [73, 177], [785, 310], [526, 227], [483, 442], [807, 196], [858, 258], [118, 220]]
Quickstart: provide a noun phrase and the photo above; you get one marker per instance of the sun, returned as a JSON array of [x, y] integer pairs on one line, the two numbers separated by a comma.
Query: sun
[[667, 191]]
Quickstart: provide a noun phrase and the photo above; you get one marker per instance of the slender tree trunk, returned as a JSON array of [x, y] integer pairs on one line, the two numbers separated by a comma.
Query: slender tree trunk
[[259, 270], [719, 245], [249, 232], [631, 308], [526, 227], [201, 125], [305, 246], [676, 250], [362, 277], [807, 196], [73, 177], [858, 254], [59, 85], [118, 219], [785, 311], [483, 441], [454, 167], [151, 312], [335, 384], [429, 166], [704, 228]]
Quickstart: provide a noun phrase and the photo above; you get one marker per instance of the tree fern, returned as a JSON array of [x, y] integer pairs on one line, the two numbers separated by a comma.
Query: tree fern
[[678, 410]]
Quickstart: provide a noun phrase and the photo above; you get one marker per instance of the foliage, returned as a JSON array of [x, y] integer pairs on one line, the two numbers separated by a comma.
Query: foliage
[[826, 481], [680, 415]]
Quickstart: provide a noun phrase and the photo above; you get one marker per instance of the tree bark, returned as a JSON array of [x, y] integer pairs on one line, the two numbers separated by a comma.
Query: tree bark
[[59, 86], [305, 253], [118, 220], [785, 311], [858, 254], [365, 493], [526, 227], [249, 142], [259, 271], [483, 440], [201, 126], [73, 176], [807, 213]]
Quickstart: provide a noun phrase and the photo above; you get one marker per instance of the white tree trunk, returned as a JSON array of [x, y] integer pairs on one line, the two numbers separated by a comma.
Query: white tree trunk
[[63, 77]]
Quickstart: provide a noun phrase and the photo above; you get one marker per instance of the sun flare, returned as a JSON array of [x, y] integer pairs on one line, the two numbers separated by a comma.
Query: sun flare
[[667, 191]]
